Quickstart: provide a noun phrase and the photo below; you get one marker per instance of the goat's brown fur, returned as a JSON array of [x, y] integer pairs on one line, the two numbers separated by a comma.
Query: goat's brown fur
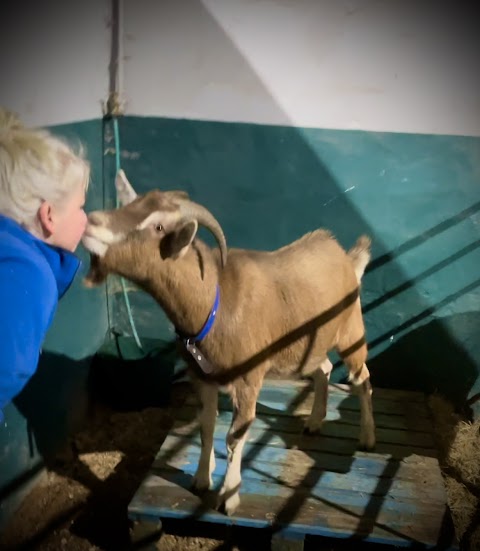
[[280, 311]]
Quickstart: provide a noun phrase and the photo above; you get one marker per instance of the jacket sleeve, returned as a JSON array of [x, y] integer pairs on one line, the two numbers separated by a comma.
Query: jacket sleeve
[[28, 298]]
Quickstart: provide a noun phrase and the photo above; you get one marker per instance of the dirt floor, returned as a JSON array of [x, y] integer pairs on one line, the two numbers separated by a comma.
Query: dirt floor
[[81, 503]]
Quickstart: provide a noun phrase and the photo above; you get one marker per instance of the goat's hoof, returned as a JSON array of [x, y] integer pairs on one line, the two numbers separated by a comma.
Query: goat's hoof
[[229, 505], [367, 443], [200, 485], [365, 448], [312, 427]]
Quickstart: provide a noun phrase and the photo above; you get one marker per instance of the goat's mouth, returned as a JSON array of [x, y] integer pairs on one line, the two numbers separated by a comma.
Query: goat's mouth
[[97, 239], [94, 245]]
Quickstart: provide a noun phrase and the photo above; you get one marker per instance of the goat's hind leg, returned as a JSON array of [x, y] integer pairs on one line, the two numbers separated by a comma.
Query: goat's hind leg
[[208, 394], [363, 388], [321, 378], [353, 349]]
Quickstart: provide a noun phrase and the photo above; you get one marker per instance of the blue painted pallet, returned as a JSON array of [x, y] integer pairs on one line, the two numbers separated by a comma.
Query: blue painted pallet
[[320, 485]]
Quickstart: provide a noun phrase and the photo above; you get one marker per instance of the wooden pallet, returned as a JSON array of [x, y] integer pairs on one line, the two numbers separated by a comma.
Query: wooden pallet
[[300, 485]]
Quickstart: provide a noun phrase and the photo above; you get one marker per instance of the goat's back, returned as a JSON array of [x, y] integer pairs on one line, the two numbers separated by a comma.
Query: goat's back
[[304, 292]]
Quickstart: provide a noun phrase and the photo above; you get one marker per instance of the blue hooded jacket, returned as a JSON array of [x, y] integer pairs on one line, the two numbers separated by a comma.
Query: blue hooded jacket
[[33, 277]]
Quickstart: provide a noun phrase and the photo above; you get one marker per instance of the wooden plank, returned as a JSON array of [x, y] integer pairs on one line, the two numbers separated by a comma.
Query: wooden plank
[[415, 467], [340, 446], [334, 497], [342, 392], [296, 470], [388, 393], [414, 418], [348, 417], [342, 402], [335, 428], [374, 520], [352, 417], [320, 485], [290, 401], [338, 430]]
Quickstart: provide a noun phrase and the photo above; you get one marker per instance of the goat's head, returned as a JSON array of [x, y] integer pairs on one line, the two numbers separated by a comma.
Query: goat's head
[[167, 220]]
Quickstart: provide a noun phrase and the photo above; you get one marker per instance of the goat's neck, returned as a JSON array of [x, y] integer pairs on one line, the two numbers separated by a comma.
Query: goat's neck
[[185, 288]]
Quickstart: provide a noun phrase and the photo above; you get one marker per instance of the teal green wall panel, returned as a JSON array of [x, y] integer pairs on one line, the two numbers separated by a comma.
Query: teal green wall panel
[[54, 401], [417, 196]]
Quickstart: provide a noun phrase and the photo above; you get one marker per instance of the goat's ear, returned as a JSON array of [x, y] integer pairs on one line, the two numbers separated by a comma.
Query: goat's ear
[[176, 243], [125, 192]]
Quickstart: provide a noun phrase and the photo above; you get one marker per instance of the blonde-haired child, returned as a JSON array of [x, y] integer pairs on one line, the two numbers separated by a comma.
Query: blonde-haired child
[[43, 183]]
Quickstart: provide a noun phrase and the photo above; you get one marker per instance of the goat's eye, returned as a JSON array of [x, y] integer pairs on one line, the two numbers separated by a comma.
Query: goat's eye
[[158, 227]]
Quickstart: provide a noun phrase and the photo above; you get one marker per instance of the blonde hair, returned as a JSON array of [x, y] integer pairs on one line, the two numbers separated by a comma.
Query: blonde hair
[[35, 166]]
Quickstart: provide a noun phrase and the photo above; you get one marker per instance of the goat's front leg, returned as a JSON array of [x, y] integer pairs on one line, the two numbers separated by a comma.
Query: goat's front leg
[[244, 398], [209, 403], [321, 378]]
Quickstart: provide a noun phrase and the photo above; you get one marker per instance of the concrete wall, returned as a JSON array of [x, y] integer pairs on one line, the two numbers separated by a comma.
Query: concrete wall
[[383, 65], [54, 59]]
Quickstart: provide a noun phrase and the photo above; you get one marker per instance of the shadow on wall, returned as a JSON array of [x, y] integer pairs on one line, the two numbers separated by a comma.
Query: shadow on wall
[[415, 195], [429, 360], [126, 379]]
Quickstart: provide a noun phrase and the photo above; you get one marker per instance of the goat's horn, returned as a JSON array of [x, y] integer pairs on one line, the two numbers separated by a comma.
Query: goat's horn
[[189, 209]]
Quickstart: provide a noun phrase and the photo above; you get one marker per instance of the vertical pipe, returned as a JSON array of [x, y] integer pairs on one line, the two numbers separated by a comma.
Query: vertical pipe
[[113, 110], [115, 68]]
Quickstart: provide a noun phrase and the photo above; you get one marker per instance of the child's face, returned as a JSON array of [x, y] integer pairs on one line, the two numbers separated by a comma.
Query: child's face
[[70, 221]]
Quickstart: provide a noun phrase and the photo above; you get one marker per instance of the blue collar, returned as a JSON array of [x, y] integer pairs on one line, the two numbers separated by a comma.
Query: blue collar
[[208, 324], [190, 343]]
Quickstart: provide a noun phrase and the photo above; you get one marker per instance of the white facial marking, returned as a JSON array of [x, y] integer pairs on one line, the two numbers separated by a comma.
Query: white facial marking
[[97, 239], [104, 234], [158, 217], [94, 246], [151, 220]]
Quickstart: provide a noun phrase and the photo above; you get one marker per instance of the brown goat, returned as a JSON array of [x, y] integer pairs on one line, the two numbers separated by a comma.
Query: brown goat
[[279, 311]]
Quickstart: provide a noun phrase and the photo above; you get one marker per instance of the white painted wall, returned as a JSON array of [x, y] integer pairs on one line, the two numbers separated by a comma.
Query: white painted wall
[[388, 65], [54, 57]]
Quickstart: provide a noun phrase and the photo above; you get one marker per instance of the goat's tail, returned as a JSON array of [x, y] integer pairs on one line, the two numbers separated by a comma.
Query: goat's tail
[[360, 255]]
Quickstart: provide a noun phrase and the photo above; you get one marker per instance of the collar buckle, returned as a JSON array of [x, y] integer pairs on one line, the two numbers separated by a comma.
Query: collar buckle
[[190, 343]]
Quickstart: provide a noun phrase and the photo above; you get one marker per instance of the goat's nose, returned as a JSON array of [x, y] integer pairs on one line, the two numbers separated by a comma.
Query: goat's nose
[[95, 218]]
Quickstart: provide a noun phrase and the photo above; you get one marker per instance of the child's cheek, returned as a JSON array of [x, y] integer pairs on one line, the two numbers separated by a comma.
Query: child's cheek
[[84, 221]]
